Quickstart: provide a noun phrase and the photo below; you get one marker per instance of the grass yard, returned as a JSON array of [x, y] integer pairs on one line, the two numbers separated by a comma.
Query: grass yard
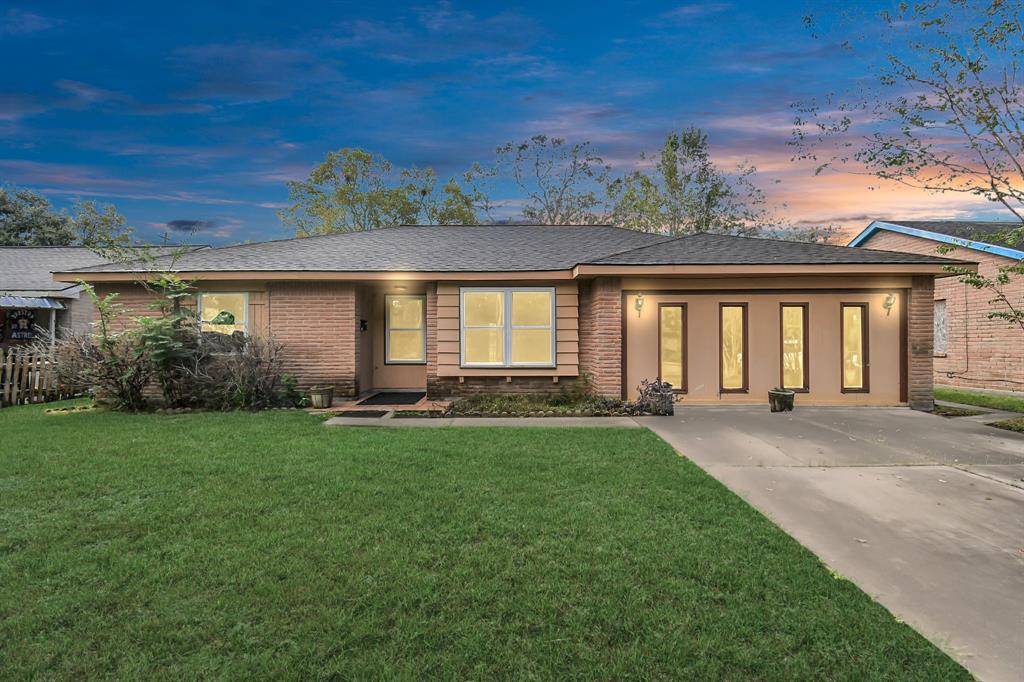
[[240, 545], [990, 400], [1010, 424]]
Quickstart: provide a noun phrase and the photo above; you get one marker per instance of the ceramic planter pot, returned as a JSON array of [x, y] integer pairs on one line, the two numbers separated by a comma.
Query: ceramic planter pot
[[321, 397], [781, 400]]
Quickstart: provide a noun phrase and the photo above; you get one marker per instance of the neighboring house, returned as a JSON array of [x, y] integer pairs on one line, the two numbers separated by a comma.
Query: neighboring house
[[456, 310], [31, 300], [971, 350]]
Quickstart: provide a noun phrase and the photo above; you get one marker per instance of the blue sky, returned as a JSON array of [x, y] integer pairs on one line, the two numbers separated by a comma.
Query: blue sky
[[197, 113]]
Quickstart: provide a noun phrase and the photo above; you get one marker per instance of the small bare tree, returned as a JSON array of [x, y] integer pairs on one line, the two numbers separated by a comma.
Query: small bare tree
[[562, 183]]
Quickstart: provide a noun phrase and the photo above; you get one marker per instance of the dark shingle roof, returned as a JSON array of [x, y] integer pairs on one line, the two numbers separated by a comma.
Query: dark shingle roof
[[424, 248], [718, 249], [29, 268], [509, 248], [988, 232]]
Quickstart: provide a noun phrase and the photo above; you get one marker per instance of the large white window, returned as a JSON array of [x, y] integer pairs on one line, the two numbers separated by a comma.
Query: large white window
[[508, 327], [223, 313], [406, 325]]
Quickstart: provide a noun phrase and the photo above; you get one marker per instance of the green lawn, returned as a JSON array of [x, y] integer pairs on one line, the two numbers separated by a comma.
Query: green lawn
[[1011, 424], [240, 545], [993, 401]]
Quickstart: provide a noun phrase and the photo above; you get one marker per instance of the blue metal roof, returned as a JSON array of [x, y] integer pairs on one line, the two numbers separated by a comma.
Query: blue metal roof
[[877, 225], [30, 302]]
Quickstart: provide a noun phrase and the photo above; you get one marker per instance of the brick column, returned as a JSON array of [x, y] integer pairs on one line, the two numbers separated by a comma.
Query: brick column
[[920, 310], [317, 324], [435, 388], [601, 334]]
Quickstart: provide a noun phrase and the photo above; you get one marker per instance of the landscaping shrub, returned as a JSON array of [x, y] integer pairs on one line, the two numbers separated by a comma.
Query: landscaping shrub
[[656, 397], [192, 369], [558, 405]]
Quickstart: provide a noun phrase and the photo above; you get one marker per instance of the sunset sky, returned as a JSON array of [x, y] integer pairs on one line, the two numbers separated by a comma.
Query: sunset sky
[[195, 114]]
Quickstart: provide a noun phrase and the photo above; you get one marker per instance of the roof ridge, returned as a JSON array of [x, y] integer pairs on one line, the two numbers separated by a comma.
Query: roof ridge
[[664, 241]]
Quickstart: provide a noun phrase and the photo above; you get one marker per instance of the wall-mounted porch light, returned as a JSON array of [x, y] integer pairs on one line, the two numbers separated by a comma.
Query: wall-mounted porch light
[[888, 303], [639, 304]]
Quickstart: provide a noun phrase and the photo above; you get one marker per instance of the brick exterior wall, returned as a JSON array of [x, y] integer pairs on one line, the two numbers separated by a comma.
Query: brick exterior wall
[[919, 343], [435, 387], [316, 323], [981, 353], [601, 334], [134, 301]]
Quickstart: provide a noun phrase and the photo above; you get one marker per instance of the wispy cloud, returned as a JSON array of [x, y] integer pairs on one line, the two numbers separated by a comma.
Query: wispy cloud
[[694, 10], [438, 33], [21, 22], [246, 72]]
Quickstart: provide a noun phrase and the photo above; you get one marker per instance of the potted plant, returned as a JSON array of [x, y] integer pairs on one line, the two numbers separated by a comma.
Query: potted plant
[[321, 397], [781, 399]]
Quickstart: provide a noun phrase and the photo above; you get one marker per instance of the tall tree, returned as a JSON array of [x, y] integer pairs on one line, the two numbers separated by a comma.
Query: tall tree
[[28, 219], [355, 190], [559, 183], [684, 192], [945, 113]]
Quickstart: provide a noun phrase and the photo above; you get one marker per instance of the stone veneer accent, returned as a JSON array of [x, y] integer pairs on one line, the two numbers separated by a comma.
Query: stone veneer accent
[[919, 341], [316, 323], [601, 335]]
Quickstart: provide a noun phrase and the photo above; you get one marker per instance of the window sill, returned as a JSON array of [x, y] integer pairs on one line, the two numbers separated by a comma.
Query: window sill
[[939, 355]]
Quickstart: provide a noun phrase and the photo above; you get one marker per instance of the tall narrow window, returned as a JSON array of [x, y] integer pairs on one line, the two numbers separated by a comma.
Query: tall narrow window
[[855, 346], [940, 328], [672, 345], [794, 346], [406, 330], [733, 336]]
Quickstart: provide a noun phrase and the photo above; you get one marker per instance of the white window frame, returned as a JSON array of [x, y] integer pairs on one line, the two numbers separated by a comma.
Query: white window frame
[[245, 306], [388, 329], [507, 327]]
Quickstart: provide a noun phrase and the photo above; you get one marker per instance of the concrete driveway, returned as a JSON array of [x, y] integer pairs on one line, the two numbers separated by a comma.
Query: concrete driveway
[[924, 513]]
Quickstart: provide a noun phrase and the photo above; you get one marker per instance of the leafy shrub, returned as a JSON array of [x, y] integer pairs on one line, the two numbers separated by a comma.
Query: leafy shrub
[[656, 397], [192, 369]]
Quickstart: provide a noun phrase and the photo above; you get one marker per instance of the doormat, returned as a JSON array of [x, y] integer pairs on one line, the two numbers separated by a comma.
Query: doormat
[[361, 413], [393, 398]]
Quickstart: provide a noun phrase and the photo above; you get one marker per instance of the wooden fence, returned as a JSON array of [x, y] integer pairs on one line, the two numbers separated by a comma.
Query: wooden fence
[[27, 377]]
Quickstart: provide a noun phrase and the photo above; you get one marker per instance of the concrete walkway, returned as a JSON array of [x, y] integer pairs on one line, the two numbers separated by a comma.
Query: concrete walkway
[[435, 422], [918, 510]]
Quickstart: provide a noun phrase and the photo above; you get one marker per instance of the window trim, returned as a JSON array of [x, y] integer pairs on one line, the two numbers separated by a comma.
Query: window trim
[[388, 330], [945, 307], [508, 327], [682, 341], [806, 347], [746, 349], [245, 307], [864, 342]]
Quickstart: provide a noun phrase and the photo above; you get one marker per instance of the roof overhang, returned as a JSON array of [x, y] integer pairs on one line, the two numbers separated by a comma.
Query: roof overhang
[[937, 269], [306, 275], [578, 272], [877, 225], [30, 302]]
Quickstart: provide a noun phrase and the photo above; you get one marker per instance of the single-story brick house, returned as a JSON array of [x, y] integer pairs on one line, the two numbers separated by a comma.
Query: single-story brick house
[[971, 350], [456, 310]]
